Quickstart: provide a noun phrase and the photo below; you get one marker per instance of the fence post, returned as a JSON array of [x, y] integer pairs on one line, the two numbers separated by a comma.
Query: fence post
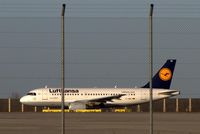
[[22, 107], [35, 109], [9, 105], [190, 105], [138, 108], [164, 105], [177, 106]]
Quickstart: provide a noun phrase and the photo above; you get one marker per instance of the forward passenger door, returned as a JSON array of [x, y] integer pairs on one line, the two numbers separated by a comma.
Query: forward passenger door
[[44, 94]]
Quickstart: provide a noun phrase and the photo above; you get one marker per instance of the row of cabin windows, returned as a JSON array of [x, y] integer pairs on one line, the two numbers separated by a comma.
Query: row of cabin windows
[[92, 94]]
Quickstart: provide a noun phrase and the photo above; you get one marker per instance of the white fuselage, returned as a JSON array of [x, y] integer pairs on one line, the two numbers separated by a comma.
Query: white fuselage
[[52, 96]]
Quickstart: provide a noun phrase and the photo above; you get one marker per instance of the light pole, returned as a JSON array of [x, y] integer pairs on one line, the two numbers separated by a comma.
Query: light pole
[[151, 66], [63, 67]]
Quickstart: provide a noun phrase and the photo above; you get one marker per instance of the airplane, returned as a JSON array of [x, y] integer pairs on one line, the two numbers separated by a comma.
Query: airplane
[[81, 98]]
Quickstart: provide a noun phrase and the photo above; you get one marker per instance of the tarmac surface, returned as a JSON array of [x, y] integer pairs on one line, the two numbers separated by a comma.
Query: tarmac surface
[[99, 123]]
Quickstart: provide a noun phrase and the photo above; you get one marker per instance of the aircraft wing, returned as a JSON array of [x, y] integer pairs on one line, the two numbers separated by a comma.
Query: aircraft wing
[[102, 99]]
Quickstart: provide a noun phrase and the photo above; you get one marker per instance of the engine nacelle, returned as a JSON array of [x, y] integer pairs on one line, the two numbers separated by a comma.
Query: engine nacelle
[[76, 105]]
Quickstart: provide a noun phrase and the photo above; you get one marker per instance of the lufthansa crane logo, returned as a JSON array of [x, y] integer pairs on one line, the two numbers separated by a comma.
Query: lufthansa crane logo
[[165, 74]]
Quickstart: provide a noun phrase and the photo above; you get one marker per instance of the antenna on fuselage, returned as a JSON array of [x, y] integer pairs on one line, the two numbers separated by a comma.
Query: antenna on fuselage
[[115, 84], [45, 86]]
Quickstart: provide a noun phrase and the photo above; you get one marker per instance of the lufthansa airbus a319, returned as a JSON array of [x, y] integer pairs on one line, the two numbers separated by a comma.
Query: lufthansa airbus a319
[[80, 98]]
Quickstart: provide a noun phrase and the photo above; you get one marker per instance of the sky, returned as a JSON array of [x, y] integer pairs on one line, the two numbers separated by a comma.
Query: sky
[[106, 43]]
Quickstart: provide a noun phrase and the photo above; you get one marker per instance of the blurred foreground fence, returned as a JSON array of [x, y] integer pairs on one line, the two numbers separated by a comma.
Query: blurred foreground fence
[[166, 105]]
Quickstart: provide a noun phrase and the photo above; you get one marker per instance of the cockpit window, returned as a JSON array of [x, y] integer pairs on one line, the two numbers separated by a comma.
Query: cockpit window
[[32, 94]]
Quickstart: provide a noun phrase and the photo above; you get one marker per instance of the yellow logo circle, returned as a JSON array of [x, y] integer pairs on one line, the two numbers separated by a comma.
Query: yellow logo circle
[[165, 74]]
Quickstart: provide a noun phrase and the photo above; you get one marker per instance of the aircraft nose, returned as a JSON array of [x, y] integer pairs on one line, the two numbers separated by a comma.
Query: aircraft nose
[[23, 99]]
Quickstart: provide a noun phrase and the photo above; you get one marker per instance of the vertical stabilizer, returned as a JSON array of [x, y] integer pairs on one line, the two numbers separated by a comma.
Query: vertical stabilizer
[[162, 79]]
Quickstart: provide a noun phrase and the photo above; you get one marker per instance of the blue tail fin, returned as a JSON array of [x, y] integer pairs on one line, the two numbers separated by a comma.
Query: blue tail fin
[[163, 77]]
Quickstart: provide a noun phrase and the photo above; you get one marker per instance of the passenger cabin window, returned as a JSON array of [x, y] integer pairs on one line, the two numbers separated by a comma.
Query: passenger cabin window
[[32, 94]]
